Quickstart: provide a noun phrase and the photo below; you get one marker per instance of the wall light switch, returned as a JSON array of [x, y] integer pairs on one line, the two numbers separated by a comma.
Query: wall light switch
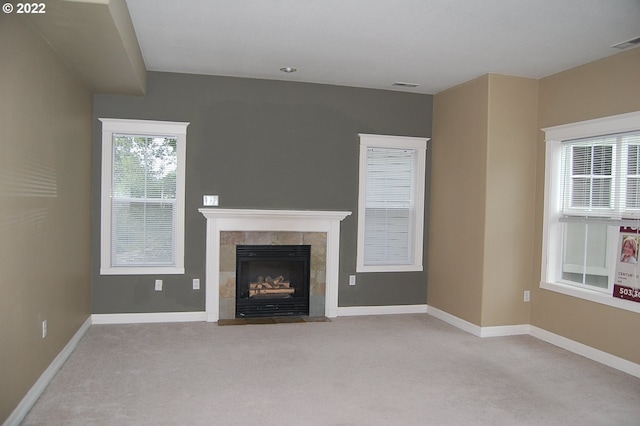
[[352, 280], [196, 283], [527, 295], [44, 329], [158, 285], [210, 200]]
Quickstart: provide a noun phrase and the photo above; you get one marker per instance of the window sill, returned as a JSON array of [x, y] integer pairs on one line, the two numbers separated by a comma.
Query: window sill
[[389, 268], [592, 296], [142, 270]]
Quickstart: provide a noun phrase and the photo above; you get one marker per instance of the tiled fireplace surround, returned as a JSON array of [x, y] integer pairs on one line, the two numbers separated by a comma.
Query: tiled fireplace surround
[[230, 239], [227, 228]]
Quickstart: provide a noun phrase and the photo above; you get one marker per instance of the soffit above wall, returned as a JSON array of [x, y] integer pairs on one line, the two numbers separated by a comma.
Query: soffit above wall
[[97, 40]]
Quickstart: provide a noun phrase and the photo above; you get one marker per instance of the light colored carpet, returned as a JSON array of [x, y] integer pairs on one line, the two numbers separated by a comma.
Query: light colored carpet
[[378, 370]]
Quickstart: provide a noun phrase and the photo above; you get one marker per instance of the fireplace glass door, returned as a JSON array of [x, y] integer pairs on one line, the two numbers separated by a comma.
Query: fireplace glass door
[[272, 280]]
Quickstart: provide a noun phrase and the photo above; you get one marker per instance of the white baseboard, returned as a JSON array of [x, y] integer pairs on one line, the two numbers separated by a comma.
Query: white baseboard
[[348, 311], [505, 330], [556, 340], [455, 321], [476, 330], [139, 318], [587, 351], [39, 386]]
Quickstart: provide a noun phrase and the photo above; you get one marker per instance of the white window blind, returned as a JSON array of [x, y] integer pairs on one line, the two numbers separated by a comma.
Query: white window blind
[[391, 203], [601, 176], [389, 206], [143, 200], [632, 191]]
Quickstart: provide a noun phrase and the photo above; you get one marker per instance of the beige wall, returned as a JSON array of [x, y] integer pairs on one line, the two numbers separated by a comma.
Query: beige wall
[[458, 193], [509, 208], [487, 199], [607, 87], [45, 146], [482, 197]]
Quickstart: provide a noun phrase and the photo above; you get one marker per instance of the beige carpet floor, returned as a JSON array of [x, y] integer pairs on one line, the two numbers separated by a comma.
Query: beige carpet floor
[[378, 370]]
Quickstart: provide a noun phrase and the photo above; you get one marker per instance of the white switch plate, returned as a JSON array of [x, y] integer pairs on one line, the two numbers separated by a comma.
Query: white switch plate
[[527, 295], [352, 280], [209, 200], [44, 329], [158, 285], [196, 283]]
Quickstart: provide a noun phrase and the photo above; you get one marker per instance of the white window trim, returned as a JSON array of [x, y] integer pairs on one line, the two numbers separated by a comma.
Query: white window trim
[[142, 127], [552, 233], [400, 142]]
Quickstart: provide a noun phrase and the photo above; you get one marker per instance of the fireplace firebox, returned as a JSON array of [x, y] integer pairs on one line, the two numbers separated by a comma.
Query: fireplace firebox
[[272, 280]]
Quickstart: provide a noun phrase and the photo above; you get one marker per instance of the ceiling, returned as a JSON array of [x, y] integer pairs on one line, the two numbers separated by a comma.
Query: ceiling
[[374, 43]]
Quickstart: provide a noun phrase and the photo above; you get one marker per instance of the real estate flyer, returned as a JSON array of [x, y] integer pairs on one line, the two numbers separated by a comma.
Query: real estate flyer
[[627, 281]]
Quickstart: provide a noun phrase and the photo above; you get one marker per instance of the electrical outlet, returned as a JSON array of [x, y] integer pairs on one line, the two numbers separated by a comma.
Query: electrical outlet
[[44, 329], [352, 280], [209, 200], [158, 285], [196, 283], [527, 295]]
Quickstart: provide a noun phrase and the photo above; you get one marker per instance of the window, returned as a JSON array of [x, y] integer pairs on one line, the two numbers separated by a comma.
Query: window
[[592, 189], [391, 203], [143, 185]]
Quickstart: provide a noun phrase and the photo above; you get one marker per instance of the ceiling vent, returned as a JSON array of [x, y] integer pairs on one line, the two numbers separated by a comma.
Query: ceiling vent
[[409, 85], [627, 43]]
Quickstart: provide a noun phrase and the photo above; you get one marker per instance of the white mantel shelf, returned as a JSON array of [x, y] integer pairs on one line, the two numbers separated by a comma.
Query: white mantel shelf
[[219, 220], [214, 212]]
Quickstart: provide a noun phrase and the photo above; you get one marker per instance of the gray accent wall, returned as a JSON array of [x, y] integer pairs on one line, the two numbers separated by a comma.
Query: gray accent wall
[[262, 144]]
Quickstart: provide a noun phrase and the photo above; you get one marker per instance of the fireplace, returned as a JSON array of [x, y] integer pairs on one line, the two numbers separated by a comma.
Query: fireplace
[[272, 280], [225, 224]]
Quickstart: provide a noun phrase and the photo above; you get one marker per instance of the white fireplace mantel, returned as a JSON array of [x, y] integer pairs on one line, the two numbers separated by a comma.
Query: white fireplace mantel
[[219, 220]]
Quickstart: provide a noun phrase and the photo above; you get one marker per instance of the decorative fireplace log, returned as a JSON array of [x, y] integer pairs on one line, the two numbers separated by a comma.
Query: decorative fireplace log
[[270, 286], [258, 286], [270, 291], [268, 282]]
